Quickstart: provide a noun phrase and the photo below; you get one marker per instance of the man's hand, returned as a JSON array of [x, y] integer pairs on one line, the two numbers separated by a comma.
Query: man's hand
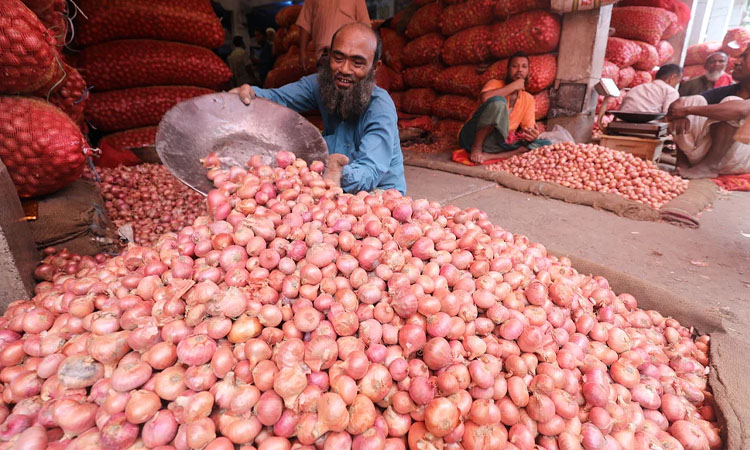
[[245, 92], [529, 134], [677, 110], [518, 85], [335, 167]]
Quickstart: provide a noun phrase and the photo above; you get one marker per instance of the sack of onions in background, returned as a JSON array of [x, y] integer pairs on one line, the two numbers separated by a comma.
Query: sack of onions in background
[[295, 315]]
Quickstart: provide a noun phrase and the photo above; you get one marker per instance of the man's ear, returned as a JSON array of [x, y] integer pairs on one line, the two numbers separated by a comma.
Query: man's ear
[[377, 65]]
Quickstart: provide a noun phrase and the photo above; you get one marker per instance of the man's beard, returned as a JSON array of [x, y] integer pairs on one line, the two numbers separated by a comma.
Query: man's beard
[[713, 76], [345, 103]]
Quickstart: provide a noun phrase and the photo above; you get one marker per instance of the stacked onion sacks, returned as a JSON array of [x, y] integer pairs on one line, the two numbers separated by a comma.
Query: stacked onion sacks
[[595, 168], [150, 199], [297, 316]]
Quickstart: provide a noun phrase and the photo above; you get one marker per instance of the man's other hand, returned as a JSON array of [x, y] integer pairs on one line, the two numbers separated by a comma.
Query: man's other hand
[[334, 168], [245, 92]]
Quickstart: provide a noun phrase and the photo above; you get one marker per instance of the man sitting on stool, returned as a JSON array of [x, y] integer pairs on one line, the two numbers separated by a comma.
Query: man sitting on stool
[[656, 96]]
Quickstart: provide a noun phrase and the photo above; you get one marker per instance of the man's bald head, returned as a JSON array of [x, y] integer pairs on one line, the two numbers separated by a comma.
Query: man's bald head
[[360, 30]]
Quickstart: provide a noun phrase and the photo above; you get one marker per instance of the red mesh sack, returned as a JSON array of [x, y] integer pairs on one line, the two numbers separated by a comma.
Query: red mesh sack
[[541, 105], [389, 79], [38, 6], [425, 20], [55, 19], [455, 107], [288, 16], [459, 80], [610, 70], [453, 2], [627, 75], [506, 8], [42, 148], [470, 46], [692, 71], [642, 23], [649, 57], [423, 50], [666, 52], [736, 42], [622, 52], [70, 95], [641, 77], [189, 21], [542, 71], [397, 98], [27, 54], [422, 76], [448, 127], [137, 107], [283, 75], [681, 10], [116, 147], [533, 32], [418, 101], [393, 48], [278, 41], [144, 62], [422, 2], [466, 15], [698, 53], [290, 38], [672, 30]]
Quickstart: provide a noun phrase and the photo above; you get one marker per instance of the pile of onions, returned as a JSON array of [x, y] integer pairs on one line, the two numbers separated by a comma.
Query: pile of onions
[[150, 199], [297, 316], [595, 168]]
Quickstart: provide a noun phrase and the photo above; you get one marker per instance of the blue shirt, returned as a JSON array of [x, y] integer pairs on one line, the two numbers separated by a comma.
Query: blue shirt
[[714, 96], [370, 142]]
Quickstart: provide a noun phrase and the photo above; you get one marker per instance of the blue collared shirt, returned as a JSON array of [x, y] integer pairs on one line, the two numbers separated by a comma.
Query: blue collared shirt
[[370, 142]]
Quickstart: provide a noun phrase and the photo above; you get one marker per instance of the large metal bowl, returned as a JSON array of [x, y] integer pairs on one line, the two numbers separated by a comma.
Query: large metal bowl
[[637, 117], [221, 123]]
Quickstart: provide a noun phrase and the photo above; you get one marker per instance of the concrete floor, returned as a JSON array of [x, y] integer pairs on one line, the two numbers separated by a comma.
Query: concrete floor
[[710, 265]]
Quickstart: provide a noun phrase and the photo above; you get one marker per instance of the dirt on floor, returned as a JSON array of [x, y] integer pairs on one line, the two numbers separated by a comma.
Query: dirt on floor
[[710, 265]]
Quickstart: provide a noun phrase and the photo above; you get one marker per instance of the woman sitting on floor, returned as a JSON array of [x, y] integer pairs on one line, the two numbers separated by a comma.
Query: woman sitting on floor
[[503, 125]]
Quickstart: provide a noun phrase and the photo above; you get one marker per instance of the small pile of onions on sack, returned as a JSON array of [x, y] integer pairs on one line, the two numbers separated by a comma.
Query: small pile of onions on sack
[[297, 316], [148, 198], [595, 168]]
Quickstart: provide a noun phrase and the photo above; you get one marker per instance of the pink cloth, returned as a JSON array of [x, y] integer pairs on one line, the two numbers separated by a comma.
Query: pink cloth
[[654, 97], [724, 80], [322, 18]]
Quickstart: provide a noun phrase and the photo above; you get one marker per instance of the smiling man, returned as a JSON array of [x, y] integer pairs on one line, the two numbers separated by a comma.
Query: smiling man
[[359, 118]]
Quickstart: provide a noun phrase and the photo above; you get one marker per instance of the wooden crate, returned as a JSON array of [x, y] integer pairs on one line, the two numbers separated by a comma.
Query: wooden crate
[[640, 147]]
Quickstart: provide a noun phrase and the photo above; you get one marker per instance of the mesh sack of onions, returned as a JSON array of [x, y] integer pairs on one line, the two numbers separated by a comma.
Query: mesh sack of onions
[[541, 105], [611, 71], [506, 8], [641, 77], [146, 62], [287, 16], [55, 19], [698, 53], [622, 52], [425, 20], [397, 98], [460, 80], [291, 38], [69, 94], [423, 50], [41, 146], [596, 168], [389, 79], [642, 23], [736, 41], [295, 315], [649, 57], [533, 32], [422, 76], [468, 46], [123, 109], [457, 107], [418, 101], [666, 51], [626, 77], [466, 15], [393, 48], [188, 21], [27, 51]]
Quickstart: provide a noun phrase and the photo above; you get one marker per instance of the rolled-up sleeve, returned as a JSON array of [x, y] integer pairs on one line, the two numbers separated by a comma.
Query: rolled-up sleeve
[[298, 96], [376, 148]]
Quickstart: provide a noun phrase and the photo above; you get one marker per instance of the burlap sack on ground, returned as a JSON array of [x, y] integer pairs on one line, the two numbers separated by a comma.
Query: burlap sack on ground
[[728, 360], [683, 209], [74, 218]]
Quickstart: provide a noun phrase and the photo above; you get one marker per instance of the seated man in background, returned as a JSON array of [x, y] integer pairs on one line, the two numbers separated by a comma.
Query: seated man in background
[[359, 118], [656, 96], [713, 78], [704, 127], [504, 124]]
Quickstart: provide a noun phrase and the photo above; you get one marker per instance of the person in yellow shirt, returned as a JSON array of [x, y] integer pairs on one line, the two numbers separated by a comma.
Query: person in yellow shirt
[[504, 124]]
